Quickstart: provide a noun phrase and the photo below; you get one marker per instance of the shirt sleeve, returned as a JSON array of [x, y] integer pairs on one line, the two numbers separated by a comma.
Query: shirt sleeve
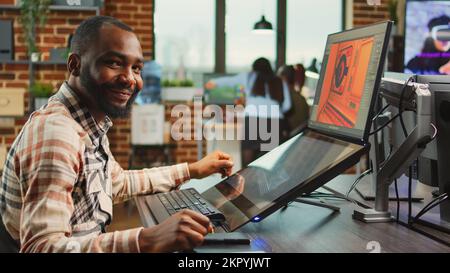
[[130, 183], [49, 158]]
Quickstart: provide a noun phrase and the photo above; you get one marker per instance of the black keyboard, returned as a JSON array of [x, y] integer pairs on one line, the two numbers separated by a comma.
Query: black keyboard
[[177, 200]]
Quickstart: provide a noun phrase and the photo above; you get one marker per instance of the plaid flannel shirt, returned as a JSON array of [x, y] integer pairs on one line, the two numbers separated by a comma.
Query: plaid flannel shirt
[[60, 180]]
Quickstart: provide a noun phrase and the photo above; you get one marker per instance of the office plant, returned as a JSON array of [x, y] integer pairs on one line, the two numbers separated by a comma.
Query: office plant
[[33, 14], [41, 92]]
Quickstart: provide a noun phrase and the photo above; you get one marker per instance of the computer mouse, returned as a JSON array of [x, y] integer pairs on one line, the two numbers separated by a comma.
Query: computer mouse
[[216, 217]]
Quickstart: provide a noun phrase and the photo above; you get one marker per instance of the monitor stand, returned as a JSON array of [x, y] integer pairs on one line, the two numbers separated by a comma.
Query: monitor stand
[[306, 200], [366, 190]]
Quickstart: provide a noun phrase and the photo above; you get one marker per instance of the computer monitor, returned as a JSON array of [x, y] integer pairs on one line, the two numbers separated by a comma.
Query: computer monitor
[[350, 73], [427, 37], [226, 94]]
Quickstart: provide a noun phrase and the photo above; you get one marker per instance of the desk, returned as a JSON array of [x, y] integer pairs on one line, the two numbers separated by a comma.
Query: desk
[[305, 228]]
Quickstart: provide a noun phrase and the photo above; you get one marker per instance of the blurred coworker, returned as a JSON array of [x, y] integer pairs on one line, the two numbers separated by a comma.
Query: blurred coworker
[[299, 113], [262, 89]]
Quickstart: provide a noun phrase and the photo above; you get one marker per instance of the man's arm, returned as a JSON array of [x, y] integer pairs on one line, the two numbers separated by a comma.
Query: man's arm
[[50, 158], [129, 183]]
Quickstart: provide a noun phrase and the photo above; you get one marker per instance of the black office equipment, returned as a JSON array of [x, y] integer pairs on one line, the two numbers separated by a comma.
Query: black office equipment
[[174, 201], [230, 238], [334, 140], [431, 166], [439, 154], [7, 41]]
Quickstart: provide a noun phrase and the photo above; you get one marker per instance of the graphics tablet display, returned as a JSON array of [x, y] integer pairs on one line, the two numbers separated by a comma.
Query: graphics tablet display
[[281, 172]]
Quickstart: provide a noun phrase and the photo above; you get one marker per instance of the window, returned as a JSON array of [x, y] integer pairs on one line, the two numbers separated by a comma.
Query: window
[[243, 46], [184, 38], [307, 25]]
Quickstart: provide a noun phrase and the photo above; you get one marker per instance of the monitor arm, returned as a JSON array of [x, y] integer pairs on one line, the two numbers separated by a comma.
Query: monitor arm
[[403, 157]]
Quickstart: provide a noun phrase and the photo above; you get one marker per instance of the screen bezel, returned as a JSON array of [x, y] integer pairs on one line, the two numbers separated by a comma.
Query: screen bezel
[[374, 28]]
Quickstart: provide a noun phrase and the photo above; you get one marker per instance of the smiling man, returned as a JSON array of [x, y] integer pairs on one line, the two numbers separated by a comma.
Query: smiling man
[[60, 178]]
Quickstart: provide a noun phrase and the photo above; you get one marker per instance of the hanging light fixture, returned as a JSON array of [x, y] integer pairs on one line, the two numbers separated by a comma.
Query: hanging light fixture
[[263, 26]]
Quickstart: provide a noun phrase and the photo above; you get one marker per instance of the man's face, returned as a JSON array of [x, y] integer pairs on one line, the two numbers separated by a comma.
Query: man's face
[[443, 46], [111, 70], [440, 35]]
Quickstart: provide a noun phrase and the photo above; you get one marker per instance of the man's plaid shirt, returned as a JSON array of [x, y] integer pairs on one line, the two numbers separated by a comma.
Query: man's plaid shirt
[[60, 180]]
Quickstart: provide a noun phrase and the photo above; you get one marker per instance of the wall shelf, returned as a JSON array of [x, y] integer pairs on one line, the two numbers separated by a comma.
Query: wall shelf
[[34, 63], [33, 66], [57, 8]]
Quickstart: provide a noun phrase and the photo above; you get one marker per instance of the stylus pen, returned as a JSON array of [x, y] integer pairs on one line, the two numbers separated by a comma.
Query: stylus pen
[[211, 228], [224, 172]]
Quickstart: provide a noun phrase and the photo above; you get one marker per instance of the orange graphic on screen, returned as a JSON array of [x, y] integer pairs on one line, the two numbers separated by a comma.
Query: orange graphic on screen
[[343, 85]]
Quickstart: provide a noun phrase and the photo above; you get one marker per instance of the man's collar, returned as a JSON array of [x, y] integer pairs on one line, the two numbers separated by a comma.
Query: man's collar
[[80, 112]]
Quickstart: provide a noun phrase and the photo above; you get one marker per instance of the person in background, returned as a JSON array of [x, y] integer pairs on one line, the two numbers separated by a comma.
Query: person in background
[[262, 89], [299, 113]]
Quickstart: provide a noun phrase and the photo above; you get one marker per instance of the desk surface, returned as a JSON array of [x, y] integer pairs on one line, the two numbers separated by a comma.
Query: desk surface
[[306, 228]]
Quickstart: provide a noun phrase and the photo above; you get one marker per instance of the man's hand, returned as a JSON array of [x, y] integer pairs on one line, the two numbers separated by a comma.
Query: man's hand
[[236, 187], [216, 162], [184, 230]]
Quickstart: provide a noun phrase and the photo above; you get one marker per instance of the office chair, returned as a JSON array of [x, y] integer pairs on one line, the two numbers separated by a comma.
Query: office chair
[[7, 243]]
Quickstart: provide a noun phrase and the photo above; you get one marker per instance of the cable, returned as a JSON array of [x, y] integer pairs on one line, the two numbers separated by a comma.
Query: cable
[[400, 104], [353, 186], [405, 132], [323, 195], [380, 112], [436, 201], [391, 147], [435, 132], [398, 199], [431, 204], [384, 125], [409, 194]]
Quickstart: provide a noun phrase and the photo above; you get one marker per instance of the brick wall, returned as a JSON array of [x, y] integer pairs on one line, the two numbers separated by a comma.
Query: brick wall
[[136, 13], [364, 14], [7, 2], [177, 151]]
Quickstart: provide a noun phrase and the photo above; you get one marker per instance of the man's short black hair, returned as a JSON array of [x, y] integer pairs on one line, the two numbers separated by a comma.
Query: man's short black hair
[[87, 32], [438, 21]]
